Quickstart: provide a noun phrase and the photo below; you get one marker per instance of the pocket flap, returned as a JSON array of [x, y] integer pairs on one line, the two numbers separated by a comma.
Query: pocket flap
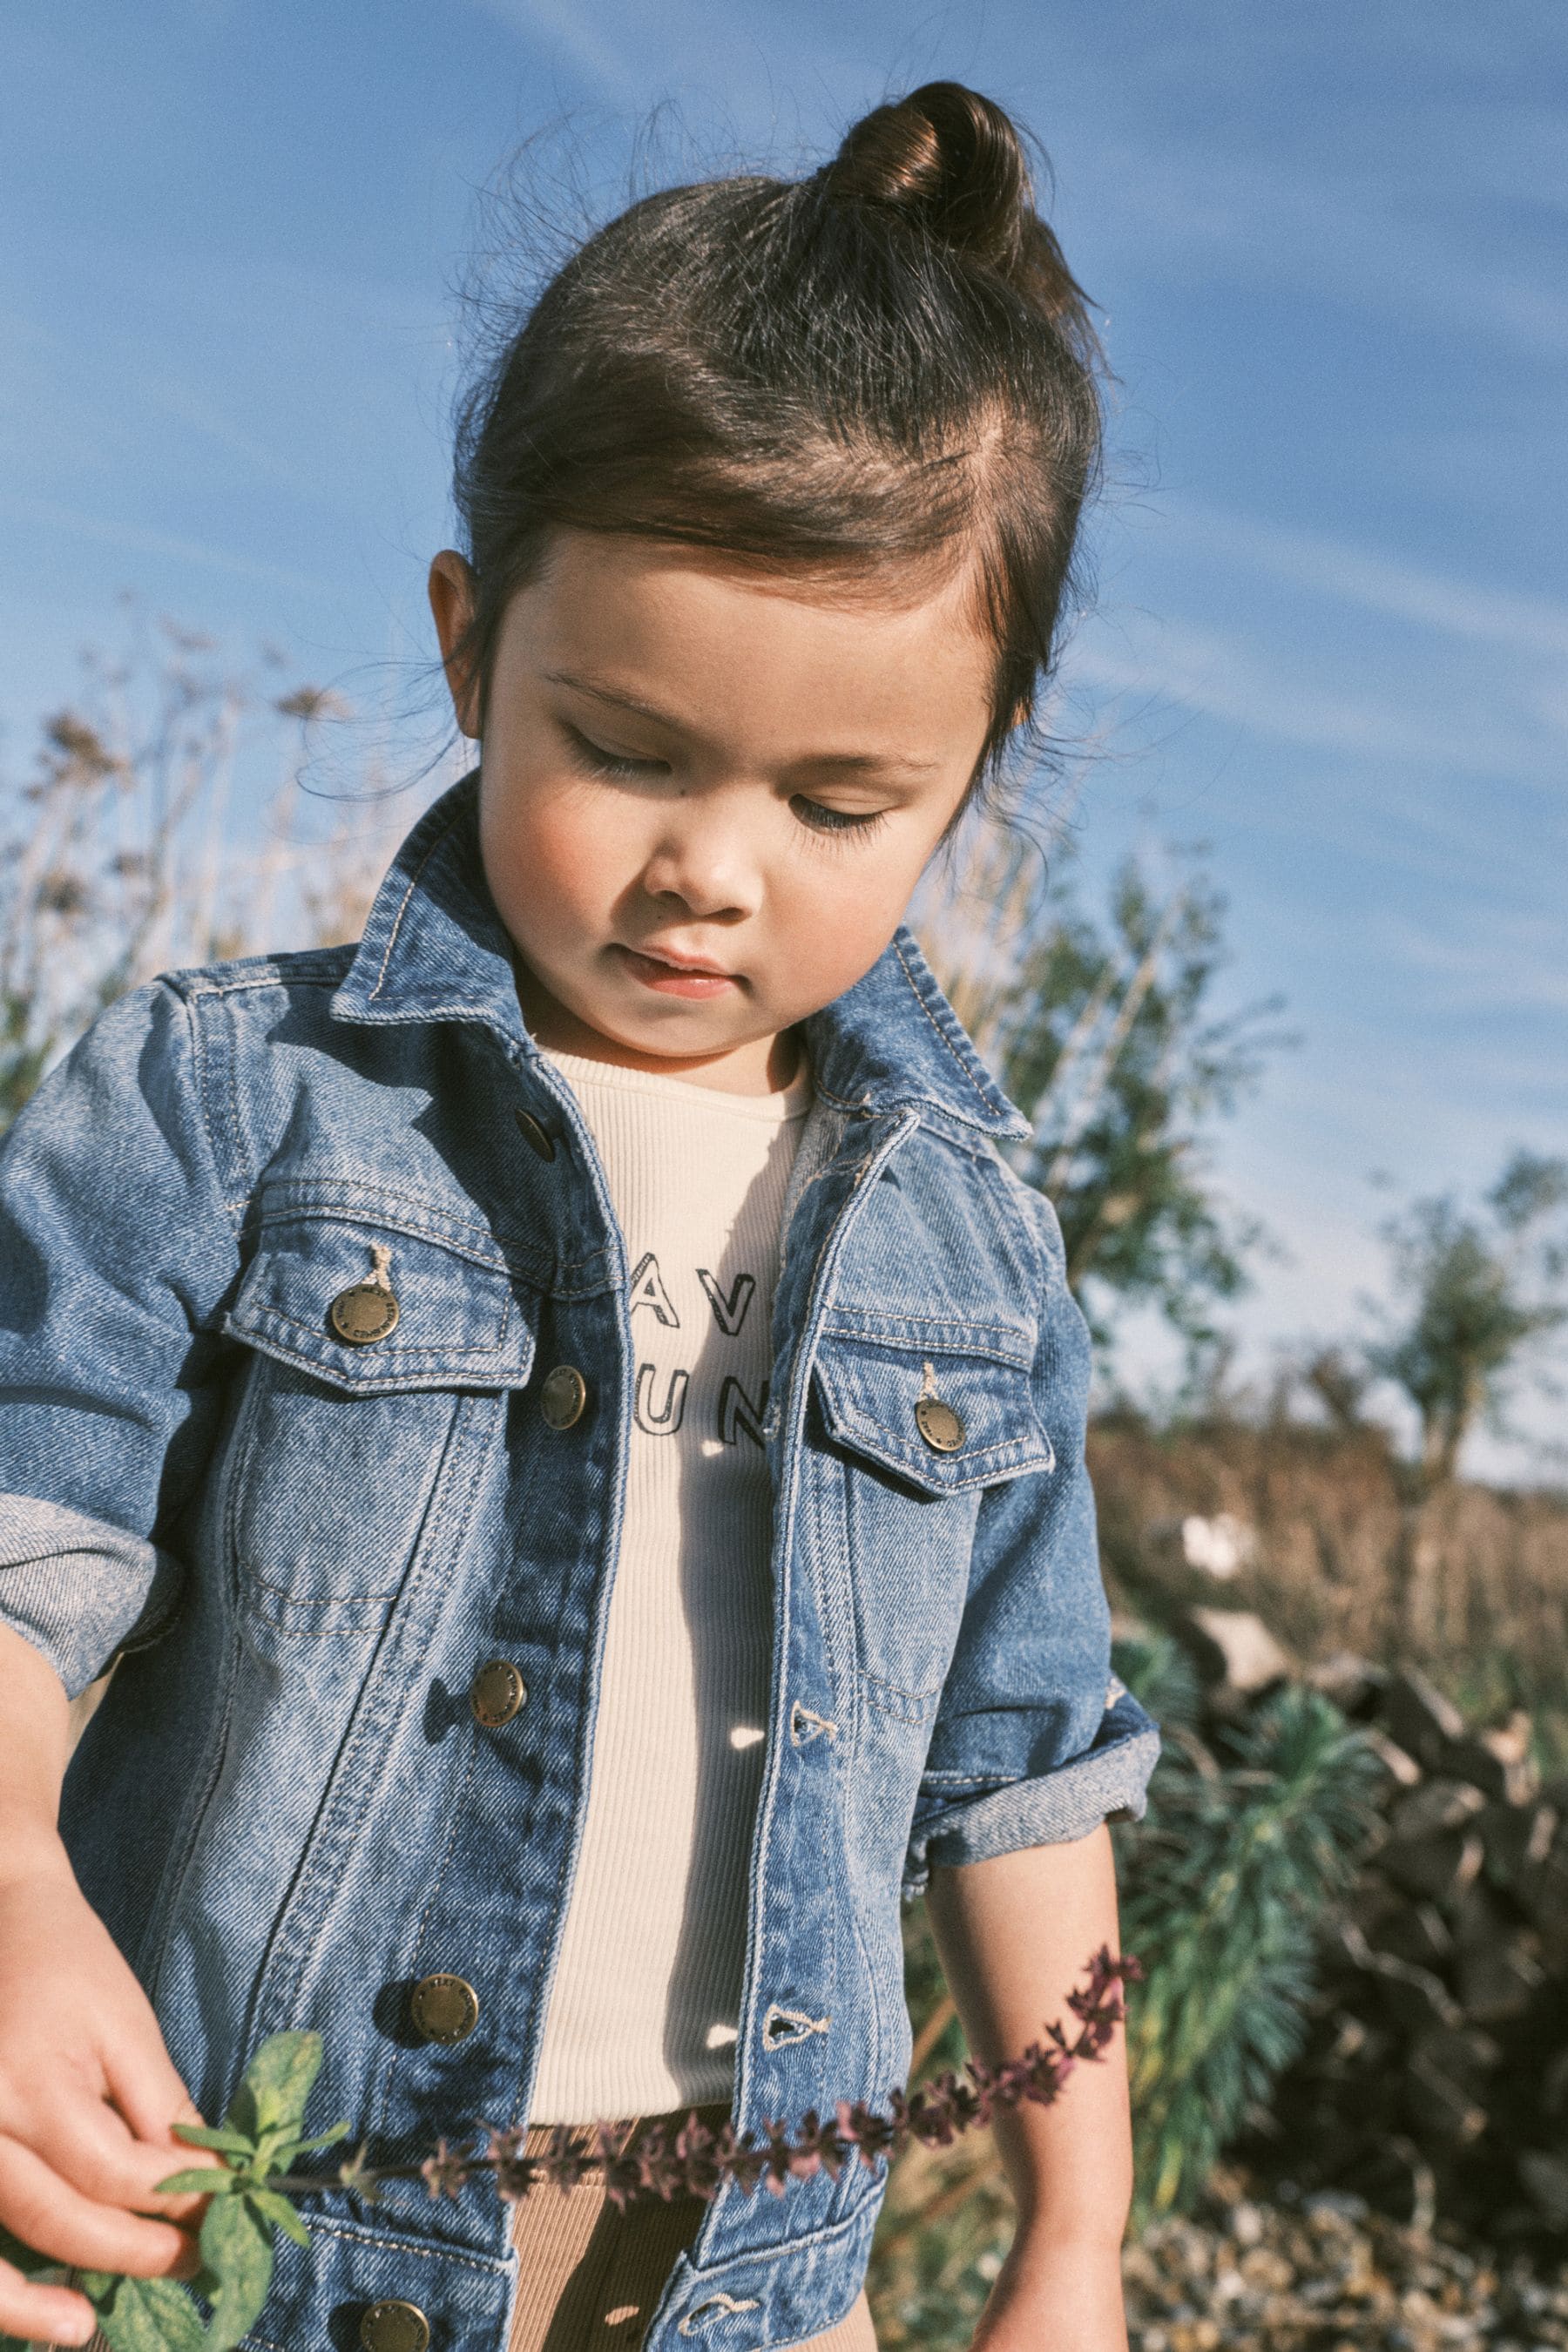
[[871, 1393], [460, 1319]]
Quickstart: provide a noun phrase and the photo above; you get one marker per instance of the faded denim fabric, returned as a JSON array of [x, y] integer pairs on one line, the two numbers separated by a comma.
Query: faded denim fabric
[[300, 1550]]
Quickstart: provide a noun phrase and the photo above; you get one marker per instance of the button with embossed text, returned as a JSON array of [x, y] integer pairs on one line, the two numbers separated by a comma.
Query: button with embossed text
[[393, 2325], [444, 2007], [364, 1313], [940, 1425], [497, 1692], [562, 1397]]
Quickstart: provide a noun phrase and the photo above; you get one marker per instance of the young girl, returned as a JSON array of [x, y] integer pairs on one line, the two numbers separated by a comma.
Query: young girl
[[562, 1415]]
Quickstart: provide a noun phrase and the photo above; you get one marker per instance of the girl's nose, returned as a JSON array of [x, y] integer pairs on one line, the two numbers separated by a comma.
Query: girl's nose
[[707, 863]]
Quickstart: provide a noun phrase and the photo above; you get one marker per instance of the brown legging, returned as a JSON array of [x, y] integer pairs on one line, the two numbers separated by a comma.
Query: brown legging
[[589, 2276]]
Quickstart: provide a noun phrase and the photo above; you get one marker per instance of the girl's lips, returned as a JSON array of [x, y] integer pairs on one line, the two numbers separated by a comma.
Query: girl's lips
[[673, 978]]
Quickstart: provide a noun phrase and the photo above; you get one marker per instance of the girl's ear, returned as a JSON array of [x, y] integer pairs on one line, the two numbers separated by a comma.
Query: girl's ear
[[451, 588]]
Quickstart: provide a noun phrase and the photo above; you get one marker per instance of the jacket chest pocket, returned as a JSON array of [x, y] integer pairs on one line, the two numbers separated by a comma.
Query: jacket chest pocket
[[924, 1420], [365, 1339]]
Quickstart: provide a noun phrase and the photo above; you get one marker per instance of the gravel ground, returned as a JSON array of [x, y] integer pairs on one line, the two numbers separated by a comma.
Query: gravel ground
[[1328, 2274]]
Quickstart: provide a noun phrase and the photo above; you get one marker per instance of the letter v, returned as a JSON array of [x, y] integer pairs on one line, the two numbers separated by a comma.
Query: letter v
[[728, 1311]]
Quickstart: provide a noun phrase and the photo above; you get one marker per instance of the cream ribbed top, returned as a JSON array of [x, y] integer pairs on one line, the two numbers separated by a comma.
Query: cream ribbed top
[[646, 1997]]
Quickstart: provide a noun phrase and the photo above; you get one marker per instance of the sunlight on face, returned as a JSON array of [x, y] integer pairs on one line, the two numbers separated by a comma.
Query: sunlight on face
[[708, 795]]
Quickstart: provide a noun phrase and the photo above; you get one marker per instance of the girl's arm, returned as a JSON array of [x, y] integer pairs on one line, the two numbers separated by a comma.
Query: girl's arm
[[1014, 1933], [87, 2089]]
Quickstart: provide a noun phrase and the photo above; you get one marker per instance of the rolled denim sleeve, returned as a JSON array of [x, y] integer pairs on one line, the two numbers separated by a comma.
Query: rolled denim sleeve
[[1035, 1742], [115, 1248]]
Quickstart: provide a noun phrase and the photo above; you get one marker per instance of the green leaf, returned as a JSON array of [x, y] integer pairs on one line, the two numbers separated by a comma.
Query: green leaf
[[150, 2315], [202, 2180], [226, 2141], [280, 2211], [236, 2248], [276, 2084], [292, 2149]]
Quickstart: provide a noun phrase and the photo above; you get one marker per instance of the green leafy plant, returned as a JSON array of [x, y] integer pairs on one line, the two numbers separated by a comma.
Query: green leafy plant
[[259, 2138], [1226, 1885]]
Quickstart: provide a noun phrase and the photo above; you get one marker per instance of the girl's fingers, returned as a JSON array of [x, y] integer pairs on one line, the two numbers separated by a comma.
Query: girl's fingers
[[47, 2314], [144, 2085], [55, 2219], [151, 2097], [90, 2145]]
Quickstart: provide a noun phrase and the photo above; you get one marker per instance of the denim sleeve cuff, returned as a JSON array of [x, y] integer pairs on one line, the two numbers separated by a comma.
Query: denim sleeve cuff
[[77, 1588], [1048, 1809]]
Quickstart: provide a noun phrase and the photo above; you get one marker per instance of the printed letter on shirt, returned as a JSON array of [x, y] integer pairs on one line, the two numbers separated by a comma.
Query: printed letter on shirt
[[648, 1290], [729, 1313]]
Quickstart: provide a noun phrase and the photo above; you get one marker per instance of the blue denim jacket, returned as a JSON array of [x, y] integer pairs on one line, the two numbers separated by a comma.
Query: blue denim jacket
[[301, 1549]]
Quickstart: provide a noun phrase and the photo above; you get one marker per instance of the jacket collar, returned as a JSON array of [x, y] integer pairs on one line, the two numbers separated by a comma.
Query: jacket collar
[[434, 948]]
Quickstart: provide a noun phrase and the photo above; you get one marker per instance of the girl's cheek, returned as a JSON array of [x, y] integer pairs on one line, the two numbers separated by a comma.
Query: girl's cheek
[[557, 855]]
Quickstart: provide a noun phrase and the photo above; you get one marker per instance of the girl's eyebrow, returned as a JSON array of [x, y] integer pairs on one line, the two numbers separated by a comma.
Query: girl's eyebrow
[[854, 763], [603, 694]]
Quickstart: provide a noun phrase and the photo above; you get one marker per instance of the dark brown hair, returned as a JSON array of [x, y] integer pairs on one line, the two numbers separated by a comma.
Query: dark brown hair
[[884, 364]]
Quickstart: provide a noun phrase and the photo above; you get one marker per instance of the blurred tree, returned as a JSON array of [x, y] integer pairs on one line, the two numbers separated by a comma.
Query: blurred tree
[[1476, 1291], [1106, 1036]]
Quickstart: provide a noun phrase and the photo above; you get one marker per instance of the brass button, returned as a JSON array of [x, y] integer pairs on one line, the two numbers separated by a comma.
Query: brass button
[[497, 1692], [394, 2326], [444, 2008], [563, 1396], [940, 1424], [536, 1137], [364, 1313]]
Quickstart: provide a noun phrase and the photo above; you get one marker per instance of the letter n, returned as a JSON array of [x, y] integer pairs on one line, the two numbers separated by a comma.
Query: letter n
[[737, 1412]]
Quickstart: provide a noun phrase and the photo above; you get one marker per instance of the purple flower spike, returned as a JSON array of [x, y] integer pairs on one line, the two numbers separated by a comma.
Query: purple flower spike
[[652, 2160]]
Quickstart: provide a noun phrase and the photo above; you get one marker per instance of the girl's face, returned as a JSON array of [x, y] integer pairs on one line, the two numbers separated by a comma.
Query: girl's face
[[707, 795]]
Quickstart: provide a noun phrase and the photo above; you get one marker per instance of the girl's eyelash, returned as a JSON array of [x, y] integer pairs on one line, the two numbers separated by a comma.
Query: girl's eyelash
[[600, 763], [827, 822]]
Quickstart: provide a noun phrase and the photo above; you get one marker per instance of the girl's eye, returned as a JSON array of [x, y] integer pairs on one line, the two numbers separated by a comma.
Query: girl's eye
[[822, 819], [593, 757]]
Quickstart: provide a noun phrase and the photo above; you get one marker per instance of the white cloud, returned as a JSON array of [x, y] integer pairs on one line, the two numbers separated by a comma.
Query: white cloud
[[1478, 612], [1206, 670], [163, 544]]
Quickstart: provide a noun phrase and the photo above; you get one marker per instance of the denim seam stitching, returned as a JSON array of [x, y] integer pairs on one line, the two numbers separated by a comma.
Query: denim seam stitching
[[439, 842], [319, 1211], [853, 1417], [410, 2246], [454, 1349], [969, 1077], [459, 1794], [203, 1121], [873, 1317]]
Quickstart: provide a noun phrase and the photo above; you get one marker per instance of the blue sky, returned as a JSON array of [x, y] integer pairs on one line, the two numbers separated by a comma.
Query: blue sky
[[1331, 637]]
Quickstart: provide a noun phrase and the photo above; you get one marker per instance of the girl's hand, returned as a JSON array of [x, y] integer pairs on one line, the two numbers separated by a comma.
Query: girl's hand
[[1055, 2298], [88, 2093]]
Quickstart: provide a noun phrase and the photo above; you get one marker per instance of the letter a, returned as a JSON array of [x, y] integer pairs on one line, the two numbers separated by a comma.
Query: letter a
[[648, 1290]]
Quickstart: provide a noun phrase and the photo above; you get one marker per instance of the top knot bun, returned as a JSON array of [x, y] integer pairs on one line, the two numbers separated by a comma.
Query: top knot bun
[[953, 163]]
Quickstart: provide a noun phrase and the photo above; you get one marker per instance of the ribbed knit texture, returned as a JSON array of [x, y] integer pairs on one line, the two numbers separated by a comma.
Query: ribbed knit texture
[[646, 2003]]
